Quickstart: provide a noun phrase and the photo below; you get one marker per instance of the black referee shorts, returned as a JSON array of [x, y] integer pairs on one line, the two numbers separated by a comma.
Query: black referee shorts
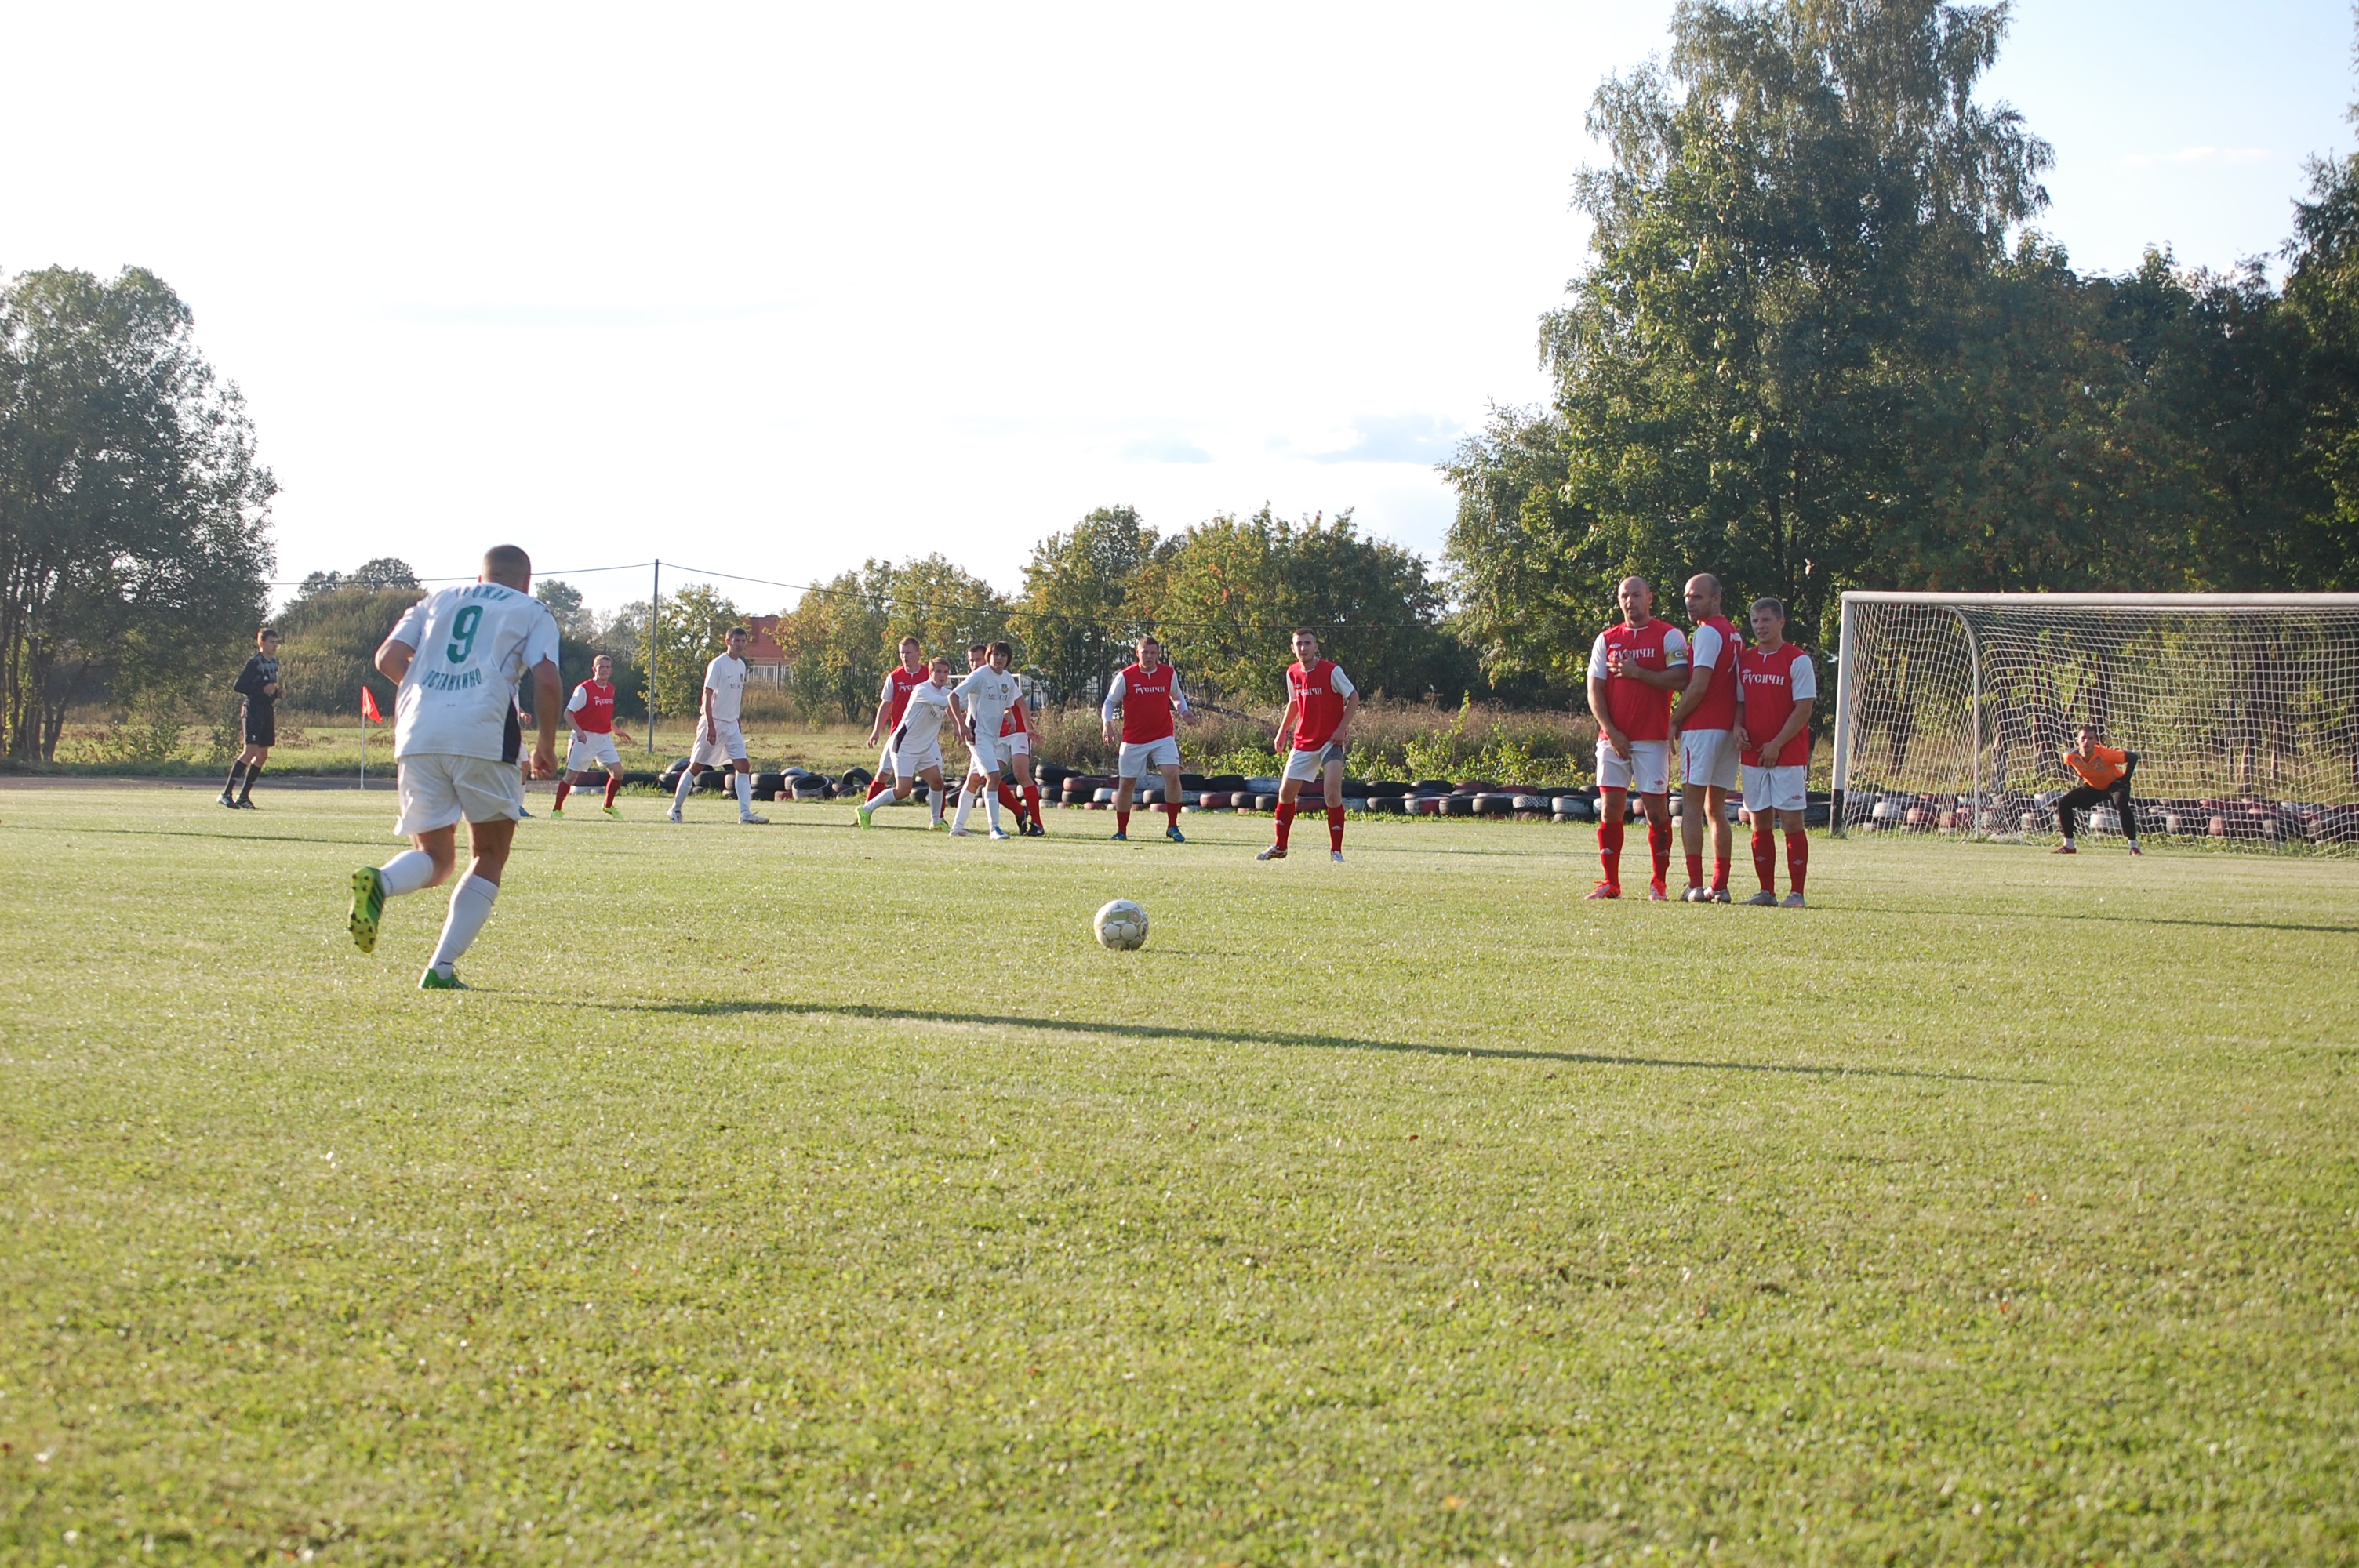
[[260, 723]]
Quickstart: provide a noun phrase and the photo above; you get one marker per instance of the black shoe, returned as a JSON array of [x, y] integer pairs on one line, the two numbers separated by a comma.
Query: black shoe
[[247, 804]]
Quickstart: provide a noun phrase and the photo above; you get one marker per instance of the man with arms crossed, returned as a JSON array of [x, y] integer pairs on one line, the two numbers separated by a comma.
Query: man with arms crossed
[[1320, 702], [457, 655], [916, 748], [982, 703], [718, 738], [1147, 694], [1705, 722], [591, 708], [1634, 668], [899, 681], [257, 721], [1777, 687]]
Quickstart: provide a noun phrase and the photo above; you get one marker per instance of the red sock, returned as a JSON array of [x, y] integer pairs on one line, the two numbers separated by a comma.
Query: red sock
[[878, 786], [1122, 821], [1798, 857], [1008, 798], [1032, 802], [1695, 870], [563, 788], [1171, 812], [1335, 828], [1609, 851], [1765, 858], [1720, 873], [614, 786], [1658, 843], [1285, 821]]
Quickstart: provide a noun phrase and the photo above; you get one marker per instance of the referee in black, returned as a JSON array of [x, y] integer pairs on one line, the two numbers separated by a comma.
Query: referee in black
[[258, 684]]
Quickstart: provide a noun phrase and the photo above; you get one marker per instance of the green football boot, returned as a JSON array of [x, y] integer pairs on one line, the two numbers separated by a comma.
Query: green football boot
[[368, 907], [433, 979]]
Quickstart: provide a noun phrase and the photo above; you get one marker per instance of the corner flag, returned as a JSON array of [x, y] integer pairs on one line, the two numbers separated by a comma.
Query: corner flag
[[369, 707]]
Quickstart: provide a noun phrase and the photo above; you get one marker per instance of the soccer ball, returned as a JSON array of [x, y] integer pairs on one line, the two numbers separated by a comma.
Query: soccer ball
[[1121, 925]]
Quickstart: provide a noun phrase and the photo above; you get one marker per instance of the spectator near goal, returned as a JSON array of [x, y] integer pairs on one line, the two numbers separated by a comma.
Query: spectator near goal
[[2104, 773]]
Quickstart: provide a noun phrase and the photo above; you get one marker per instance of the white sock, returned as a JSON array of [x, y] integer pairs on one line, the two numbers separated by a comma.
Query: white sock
[[991, 806], [687, 784], [744, 794], [471, 906], [406, 872], [967, 803]]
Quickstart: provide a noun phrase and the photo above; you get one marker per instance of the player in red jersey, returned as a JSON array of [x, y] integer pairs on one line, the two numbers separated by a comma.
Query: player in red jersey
[[891, 704], [1017, 734], [1777, 687], [1705, 722], [1634, 668], [1148, 696], [1319, 703], [591, 711]]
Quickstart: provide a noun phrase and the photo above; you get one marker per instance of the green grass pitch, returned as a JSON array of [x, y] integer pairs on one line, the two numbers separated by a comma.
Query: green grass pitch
[[799, 1194]]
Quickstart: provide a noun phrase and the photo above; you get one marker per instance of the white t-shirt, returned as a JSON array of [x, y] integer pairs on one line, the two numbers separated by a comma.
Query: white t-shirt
[[989, 694], [1675, 652], [1706, 648], [725, 678], [923, 720], [474, 644], [1803, 680]]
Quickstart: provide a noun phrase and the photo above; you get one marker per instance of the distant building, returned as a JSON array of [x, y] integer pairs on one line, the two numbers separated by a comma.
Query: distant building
[[765, 661]]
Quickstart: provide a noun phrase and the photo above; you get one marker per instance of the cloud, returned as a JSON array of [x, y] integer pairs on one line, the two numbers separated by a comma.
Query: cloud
[[2208, 157], [1423, 439], [1164, 449]]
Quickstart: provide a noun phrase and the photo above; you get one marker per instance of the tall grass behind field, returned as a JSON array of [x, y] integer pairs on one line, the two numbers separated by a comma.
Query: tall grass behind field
[[1389, 739], [806, 1193]]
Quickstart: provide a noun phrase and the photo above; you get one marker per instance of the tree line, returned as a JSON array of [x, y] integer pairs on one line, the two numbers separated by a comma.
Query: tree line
[[1818, 345]]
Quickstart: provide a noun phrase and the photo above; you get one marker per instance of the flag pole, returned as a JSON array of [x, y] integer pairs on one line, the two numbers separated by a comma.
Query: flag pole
[[364, 737]]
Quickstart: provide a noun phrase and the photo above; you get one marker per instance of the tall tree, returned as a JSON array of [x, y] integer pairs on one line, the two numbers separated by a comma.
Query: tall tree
[[1075, 614], [134, 512], [686, 637]]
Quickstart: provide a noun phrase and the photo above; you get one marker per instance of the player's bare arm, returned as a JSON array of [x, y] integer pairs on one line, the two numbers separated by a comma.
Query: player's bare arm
[[549, 694], [393, 656], [1287, 725], [1605, 728], [1795, 722], [1698, 682]]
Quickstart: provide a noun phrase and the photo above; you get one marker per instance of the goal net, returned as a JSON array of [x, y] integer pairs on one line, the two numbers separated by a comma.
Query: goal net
[[1952, 709]]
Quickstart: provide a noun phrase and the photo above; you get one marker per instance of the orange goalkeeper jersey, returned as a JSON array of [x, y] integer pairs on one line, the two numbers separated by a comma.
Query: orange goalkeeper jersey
[[2101, 768]]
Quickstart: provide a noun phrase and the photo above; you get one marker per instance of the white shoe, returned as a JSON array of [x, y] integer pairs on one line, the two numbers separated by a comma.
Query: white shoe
[[960, 832], [1693, 895], [1336, 856], [1765, 898], [1794, 900], [1718, 895], [999, 833], [753, 819], [1272, 853], [673, 814]]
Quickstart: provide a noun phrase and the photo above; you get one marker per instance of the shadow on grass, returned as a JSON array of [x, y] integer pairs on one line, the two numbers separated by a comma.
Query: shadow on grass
[[1919, 913], [1256, 1037]]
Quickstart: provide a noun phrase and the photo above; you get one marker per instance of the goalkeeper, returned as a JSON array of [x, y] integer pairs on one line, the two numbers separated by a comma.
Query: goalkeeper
[[2104, 773]]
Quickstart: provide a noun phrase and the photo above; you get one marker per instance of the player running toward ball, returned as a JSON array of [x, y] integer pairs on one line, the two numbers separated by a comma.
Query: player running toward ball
[[457, 655], [1147, 696], [899, 681], [1776, 688], [591, 710], [1319, 703], [1634, 668], [915, 750], [982, 703], [1705, 722], [719, 740], [2104, 773], [257, 721]]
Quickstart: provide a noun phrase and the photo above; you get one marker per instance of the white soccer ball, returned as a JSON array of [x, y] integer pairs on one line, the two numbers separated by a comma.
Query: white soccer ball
[[1121, 925]]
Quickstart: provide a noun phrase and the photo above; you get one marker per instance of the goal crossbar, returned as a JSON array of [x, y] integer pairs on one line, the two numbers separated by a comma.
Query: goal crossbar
[[2245, 707]]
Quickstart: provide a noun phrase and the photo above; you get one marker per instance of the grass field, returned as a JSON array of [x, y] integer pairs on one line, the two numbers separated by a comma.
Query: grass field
[[795, 1195]]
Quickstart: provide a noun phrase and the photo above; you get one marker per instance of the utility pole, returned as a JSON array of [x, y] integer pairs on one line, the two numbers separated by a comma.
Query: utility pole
[[655, 636]]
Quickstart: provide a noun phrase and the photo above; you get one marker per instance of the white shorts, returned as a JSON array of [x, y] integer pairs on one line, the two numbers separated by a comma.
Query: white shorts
[[1141, 758], [437, 790], [911, 760], [586, 748], [1775, 789], [1707, 758], [1017, 745], [982, 756], [1312, 764], [1647, 771], [729, 748]]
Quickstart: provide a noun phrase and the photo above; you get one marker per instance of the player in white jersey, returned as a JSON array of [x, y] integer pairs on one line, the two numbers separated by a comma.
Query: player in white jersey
[[980, 702], [917, 744], [719, 742], [457, 655]]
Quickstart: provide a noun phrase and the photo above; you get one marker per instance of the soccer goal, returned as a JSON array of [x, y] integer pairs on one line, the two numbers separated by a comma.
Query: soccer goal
[[1951, 709]]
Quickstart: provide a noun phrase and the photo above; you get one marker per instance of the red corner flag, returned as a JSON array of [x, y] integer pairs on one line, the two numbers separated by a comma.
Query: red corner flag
[[369, 707]]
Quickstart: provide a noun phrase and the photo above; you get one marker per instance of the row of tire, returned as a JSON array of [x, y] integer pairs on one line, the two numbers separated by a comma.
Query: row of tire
[[2247, 821]]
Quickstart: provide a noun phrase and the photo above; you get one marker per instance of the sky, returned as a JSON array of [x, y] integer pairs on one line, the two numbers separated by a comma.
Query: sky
[[771, 290]]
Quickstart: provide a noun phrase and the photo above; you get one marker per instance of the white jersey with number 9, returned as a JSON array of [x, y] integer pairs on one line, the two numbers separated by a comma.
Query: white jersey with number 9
[[474, 643]]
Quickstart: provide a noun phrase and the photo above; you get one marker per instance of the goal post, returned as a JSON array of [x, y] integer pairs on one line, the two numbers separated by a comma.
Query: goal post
[[1952, 709]]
